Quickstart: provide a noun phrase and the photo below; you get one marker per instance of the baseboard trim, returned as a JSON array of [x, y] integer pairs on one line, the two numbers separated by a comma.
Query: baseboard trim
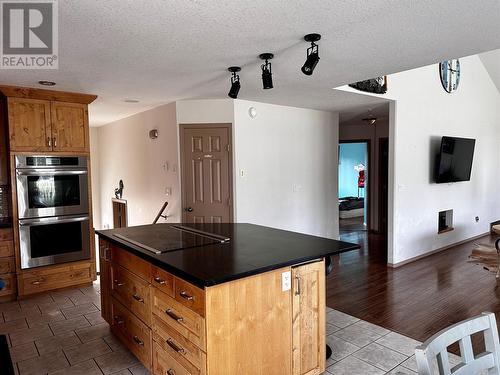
[[418, 257]]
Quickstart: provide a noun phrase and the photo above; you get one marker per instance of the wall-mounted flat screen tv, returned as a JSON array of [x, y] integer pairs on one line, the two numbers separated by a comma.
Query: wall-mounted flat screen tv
[[454, 162]]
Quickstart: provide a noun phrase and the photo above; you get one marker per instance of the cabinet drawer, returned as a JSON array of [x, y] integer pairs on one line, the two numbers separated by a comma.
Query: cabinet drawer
[[162, 280], [6, 249], [190, 296], [183, 320], [6, 234], [131, 291], [133, 333], [164, 364], [10, 284], [7, 265], [132, 263], [53, 278], [192, 358]]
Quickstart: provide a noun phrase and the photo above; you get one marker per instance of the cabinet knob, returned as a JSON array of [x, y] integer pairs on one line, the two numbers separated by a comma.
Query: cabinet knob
[[55, 142], [170, 372], [117, 283], [49, 141]]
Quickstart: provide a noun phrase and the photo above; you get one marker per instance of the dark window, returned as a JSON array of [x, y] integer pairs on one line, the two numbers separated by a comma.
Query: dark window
[[54, 239], [53, 191]]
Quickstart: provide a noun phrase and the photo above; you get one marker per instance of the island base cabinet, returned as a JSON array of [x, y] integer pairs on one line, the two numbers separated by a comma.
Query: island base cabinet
[[249, 324], [308, 321], [271, 323]]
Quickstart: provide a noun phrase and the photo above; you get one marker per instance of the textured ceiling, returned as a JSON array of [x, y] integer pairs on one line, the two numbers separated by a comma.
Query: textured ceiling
[[491, 61], [160, 51]]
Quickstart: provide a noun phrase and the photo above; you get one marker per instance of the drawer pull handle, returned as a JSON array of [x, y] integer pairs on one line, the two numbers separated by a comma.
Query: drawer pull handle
[[119, 283], [186, 296], [174, 316], [159, 280], [174, 346], [297, 292], [37, 282], [138, 341], [170, 372], [138, 298], [118, 319]]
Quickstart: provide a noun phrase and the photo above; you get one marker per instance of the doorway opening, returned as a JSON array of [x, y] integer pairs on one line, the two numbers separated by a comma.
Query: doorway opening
[[353, 185]]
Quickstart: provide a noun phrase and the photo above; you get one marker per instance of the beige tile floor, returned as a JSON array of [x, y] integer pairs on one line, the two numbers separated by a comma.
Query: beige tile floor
[[63, 333]]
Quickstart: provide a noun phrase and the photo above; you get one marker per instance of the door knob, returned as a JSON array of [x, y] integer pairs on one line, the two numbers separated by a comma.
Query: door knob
[[189, 209]]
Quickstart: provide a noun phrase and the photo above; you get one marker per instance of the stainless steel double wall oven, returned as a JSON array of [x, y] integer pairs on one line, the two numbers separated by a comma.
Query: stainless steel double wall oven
[[53, 211]]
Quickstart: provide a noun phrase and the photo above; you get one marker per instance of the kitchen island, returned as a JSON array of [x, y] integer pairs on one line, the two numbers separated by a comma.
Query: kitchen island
[[217, 298]]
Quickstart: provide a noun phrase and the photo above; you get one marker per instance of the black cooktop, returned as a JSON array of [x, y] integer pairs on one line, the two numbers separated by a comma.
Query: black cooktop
[[205, 260], [175, 237]]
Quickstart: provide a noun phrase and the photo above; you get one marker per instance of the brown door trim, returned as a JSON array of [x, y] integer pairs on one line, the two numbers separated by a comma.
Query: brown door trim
[[227, 126]]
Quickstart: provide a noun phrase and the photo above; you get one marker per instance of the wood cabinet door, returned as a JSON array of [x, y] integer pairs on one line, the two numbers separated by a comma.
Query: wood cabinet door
[[29, 124], [308, 324], [70, 127]]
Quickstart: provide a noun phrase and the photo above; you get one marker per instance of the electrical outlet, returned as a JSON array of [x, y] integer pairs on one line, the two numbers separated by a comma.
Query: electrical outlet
[[286, 281], [168, 191]]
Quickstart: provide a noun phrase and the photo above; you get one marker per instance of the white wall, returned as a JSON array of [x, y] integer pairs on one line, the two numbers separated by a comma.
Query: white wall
[[205, 111], [289, 161], [126, 152], [424, 113]]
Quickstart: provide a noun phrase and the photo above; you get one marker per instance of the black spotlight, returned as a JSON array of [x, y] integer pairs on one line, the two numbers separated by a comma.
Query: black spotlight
[[235, 82], [312, 54], [267, 74]]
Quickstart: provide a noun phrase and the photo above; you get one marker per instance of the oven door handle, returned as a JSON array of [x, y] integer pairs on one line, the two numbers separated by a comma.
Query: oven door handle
[[45, 221], [51, 172]]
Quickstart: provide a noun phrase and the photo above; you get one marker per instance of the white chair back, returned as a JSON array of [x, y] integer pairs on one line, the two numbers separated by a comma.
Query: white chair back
[[435, 348]]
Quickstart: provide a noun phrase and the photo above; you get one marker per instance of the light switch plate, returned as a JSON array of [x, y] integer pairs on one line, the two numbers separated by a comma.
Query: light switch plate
[[286, 281]]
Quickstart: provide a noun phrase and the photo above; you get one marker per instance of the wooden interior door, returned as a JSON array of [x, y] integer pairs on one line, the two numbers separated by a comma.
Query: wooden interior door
[[206, 173], [29, 125], [69, 127], [308, 319]]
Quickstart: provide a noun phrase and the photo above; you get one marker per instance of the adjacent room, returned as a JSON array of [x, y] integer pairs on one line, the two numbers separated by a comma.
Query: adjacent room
[[255, 187]]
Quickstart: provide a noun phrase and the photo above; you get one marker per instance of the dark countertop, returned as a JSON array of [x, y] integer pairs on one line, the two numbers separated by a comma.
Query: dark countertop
[[5, 223], [253, 249]]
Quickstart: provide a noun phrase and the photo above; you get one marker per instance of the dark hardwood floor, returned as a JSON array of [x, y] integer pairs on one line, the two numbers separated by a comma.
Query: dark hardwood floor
[[417, 299]]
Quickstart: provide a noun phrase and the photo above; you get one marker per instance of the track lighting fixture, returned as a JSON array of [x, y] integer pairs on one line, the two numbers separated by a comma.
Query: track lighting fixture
[[235, 82], [267, 74], [312, 54]]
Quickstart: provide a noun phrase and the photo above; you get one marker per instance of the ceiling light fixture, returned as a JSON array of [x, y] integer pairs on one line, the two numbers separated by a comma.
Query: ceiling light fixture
[[370, 120], [312, 54], [267, 74], [46, 83], [235, 82]]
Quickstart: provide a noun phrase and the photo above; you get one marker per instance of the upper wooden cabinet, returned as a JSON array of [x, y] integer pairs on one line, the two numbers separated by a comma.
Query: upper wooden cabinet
[[69, 126], [29, 125], [46, 120]]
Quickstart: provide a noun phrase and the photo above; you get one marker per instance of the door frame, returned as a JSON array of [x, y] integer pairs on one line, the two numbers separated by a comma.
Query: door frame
[[368, 192], [227, 126]]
